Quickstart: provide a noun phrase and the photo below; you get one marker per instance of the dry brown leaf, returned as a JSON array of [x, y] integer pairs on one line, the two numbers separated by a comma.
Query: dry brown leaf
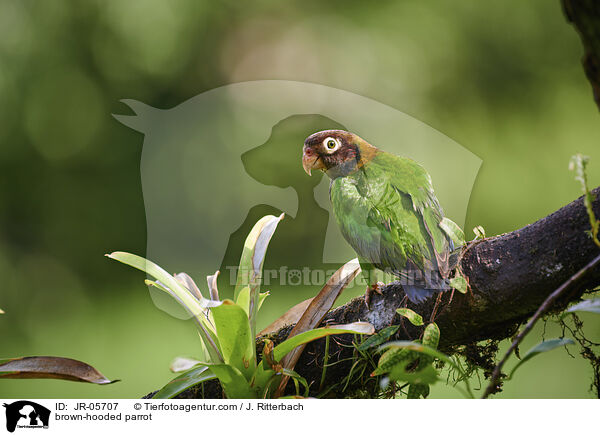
[[290, 317], [213, 291], [316, 311], [51, 367], [187, 281]]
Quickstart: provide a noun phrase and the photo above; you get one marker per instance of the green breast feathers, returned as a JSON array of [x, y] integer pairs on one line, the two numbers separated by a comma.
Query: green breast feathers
[[388, 213], [386, 209]]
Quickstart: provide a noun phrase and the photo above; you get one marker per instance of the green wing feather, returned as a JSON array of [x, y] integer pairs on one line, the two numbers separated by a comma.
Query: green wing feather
[[389, 214]]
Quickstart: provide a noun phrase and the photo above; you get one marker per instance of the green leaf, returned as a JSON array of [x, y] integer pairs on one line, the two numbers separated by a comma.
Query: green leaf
[[183, 364], [413, 317], [189, 301], [262, 374], [53, 367], [379, 338], [418, 347], [431, 336], [167, 283], [185, 280], [479, 232], [544, 346], [297, 379], [589, 305], [416, 391], [235, 338], [231, 379], [578, 164], [290, 344], [186, 380], [427, 375], [243, 298], [233, 382], [453, 231], [459, 283], [391, 358], [251, 263]]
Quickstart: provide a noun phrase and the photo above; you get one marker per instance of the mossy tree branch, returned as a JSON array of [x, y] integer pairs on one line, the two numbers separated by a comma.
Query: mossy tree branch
[[509, 275]]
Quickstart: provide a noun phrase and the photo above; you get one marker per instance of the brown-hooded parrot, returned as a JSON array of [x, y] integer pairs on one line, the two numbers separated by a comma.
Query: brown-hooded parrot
[[386, 210]]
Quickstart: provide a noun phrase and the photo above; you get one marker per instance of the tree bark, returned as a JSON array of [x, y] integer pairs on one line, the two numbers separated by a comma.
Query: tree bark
[[585, 16], [509, 275]]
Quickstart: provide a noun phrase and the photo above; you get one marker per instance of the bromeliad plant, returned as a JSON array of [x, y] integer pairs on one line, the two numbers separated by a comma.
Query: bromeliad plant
[[228, 327]]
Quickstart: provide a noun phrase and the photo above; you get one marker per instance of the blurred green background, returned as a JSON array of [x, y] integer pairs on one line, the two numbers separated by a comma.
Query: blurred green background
[[504, 80]]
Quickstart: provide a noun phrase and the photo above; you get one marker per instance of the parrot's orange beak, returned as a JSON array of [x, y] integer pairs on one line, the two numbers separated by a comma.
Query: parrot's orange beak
[[311, 160]]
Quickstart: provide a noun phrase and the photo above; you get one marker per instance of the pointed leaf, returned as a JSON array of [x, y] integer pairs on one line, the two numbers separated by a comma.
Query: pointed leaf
[[431, 336], [213, 291], [459, 283], [297, 379], [253, 254], [251, 263], [544, 346], [188, 300], [589, 305], [418, 347], [263, 374], [166, 282], [183, 364], [235, 338], [37, 367], [453, 231], [379, 338], [187, 281], [416, 391], [290, 344], [413, 317], [208, 336], [427, 375], [183, 382], [391, 358], [479, 232], [243, 299], [233, 382]]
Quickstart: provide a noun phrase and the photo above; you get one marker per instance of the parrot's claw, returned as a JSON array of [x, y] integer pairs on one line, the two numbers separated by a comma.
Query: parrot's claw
[[373, 288]]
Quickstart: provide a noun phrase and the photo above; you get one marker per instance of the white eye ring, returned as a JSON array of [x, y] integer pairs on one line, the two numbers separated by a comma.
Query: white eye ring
[[331, 144]]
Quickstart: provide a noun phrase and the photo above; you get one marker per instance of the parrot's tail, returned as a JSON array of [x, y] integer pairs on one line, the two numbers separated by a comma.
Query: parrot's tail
[[418, 294], [421, 289]]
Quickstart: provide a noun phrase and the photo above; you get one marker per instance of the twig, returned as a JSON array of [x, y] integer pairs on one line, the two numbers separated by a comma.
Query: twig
[[541, 310]]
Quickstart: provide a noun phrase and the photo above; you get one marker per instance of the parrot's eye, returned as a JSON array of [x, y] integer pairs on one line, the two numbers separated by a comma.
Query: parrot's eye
[[331, 144]]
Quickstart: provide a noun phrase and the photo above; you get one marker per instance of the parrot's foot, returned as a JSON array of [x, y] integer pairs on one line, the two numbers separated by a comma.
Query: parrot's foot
[[373, 288]]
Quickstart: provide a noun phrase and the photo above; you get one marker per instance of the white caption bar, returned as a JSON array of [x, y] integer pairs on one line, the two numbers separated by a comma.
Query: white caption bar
[[23, 416]]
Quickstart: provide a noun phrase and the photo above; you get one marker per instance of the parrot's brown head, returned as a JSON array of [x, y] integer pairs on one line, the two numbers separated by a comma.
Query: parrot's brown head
[[336, 152]]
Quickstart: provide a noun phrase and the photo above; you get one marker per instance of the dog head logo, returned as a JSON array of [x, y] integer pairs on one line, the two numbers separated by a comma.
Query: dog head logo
[[26, 414], [209, 163]]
